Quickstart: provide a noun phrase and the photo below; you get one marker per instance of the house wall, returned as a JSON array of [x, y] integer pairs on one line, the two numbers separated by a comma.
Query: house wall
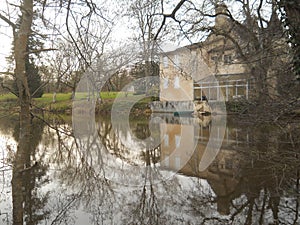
[[175, 84], [179, 69], [222, 57], [173, 93]]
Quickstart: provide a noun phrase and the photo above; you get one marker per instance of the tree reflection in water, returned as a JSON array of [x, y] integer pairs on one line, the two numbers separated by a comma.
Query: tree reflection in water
[[253, 180], [266, 180], [28, 174]]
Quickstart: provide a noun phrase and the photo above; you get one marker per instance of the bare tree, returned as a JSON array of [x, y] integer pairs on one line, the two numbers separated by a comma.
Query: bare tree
[[64, 67], [22, 28]]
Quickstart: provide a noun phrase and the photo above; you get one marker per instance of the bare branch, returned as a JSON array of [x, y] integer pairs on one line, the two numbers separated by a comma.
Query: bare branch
[[9, 22], [41, 50], [6, 73], [9, 89], [165, 16], [71, 35]]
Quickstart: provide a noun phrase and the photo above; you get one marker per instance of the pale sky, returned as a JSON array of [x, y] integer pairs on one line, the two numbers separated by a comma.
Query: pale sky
[[5, 44], [120, 33], [5, 35]]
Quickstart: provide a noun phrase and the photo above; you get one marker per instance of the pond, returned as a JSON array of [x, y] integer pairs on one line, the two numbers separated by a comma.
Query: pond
[[160, 170]]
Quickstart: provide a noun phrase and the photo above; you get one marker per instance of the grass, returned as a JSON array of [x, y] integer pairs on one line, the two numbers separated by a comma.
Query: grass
[[7, 97], [48, 97], [104, 95], [63, 103], [113, 95], [8, 104]]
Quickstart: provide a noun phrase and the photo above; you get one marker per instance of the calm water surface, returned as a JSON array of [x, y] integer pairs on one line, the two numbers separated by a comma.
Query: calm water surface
[[169, 171]]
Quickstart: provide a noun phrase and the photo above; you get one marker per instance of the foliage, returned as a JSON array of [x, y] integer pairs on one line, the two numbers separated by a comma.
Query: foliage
[[32, 70], [34, 81], [290, 11], [148, 68]]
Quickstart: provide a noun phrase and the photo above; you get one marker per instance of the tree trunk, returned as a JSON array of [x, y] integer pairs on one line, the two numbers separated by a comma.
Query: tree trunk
[[20, 47], [20, 164]]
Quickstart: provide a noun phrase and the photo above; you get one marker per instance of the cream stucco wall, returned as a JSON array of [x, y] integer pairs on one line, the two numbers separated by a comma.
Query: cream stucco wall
[[178, 71], [183, 92]]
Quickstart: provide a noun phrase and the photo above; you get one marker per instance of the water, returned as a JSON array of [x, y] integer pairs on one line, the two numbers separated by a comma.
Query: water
[[170, 170]]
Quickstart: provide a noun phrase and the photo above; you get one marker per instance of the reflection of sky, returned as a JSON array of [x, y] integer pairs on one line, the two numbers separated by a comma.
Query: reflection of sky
[[134, 149], [6, 141], [5, 177], [173, 196], [59, 189]]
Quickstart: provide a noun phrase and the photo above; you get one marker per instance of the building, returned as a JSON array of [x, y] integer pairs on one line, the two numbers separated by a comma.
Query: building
[[211, 70]]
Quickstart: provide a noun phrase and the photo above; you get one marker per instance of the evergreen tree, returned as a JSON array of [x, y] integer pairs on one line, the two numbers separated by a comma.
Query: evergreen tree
[[32, 70], [34, 80]]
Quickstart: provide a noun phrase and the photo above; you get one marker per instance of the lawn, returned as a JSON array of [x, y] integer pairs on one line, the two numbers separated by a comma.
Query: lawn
[[64, 102], [48, 97], [7, 97]]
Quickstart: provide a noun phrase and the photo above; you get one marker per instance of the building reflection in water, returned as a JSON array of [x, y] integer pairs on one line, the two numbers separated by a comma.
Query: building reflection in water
[[183, 145]]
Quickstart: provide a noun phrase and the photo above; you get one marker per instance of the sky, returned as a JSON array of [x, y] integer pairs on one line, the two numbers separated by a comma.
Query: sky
[[5, 44], [5, 35], [120, 32]]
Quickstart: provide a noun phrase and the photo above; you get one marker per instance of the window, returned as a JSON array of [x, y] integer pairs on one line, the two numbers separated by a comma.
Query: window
[[166, 83], [166, 140], [177, 162], [227, 59], [214, 58], [228, 164], [166, 62], [166, 161], [176, 82], [177, 61], [177, 141]]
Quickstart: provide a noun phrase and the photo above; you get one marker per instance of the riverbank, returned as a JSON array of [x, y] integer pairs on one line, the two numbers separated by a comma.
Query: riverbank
[[63, 105], [64, 102]]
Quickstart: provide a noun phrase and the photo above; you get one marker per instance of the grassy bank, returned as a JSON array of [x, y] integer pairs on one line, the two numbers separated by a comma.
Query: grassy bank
[[63, 102], [63, 105], [8, 104]]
